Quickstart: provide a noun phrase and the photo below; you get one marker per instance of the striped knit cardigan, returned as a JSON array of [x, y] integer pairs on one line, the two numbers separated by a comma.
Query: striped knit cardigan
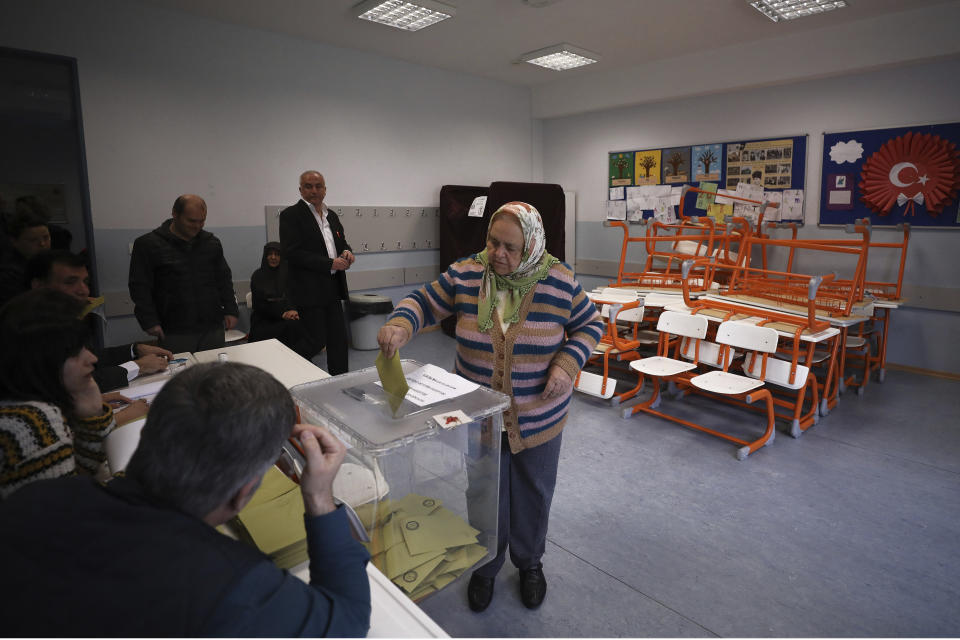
[[36, 443], [557, 324]]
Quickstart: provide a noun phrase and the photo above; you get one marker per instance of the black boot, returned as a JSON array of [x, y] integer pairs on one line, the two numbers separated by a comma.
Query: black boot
[[533, 586], [480, 592]]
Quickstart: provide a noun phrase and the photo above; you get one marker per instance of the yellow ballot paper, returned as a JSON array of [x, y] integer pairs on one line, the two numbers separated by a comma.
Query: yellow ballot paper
[[392, 378]]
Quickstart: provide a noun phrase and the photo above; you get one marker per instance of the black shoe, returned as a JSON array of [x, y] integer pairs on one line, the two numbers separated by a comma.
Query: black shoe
[[480, 592], [533, 586]]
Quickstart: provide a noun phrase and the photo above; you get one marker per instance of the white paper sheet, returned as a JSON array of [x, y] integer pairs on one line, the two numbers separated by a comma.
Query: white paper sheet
[[430, 384], [720, 196], [616, 209], [772, 214], [840, 197], [147, 391], [792, 206], [616, 193], [751, 192], [477, 206]]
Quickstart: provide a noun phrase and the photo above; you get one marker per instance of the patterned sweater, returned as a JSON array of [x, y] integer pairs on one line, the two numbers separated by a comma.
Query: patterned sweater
[[558, 325], [37, 443]]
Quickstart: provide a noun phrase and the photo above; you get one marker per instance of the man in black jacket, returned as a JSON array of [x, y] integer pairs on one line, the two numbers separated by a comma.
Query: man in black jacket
[[318, 256], [180, 283]]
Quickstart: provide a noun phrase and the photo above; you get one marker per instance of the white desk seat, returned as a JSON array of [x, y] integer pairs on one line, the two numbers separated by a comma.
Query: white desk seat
[[661, 366], [592, 384], [855, 342], [725, 383]]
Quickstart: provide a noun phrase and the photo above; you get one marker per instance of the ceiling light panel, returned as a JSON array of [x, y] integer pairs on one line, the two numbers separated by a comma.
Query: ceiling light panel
[[410, 15], [560, 57], [778, 10]]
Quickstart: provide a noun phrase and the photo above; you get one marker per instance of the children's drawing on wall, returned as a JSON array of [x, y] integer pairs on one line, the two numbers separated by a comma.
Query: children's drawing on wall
[[647, 167], [621, 169], [676, 165], [706, 162]]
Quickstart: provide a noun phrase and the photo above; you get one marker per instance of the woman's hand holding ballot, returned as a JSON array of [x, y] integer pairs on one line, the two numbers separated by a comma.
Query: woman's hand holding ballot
[[390, 338]]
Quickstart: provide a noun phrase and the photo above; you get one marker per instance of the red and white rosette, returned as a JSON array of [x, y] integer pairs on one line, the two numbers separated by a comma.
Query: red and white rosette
[[915, 168]]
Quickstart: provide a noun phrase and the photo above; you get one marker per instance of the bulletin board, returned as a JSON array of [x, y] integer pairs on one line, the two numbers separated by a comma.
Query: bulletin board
[[892, 176], [777, 164]]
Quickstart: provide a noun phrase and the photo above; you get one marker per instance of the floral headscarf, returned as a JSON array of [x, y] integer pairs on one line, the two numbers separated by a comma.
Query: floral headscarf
[[535, 264]]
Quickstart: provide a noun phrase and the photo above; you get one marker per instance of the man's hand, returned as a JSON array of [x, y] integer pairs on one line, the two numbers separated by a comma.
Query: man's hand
[[152, 363], [133, 411], [156, 331], [390, 338], [340, 264], [324, 454], [558, 382], [229, 322], [349, 256], [147, 349], [290, 314]]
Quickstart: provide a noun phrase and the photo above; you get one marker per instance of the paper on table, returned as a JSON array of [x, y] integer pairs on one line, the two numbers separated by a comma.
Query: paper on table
[[121, 443], [148, 390], [392, 379], [430, 384]]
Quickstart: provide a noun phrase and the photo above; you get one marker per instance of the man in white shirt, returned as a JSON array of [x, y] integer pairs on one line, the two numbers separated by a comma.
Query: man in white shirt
[[318, 256]]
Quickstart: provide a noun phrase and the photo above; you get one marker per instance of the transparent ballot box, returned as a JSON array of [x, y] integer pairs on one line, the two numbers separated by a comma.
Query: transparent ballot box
[[425, 494]]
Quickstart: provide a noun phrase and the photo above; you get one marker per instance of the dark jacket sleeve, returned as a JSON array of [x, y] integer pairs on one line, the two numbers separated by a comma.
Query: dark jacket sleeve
[[110, 377], [269, 602], [140, 283], [228, 297]]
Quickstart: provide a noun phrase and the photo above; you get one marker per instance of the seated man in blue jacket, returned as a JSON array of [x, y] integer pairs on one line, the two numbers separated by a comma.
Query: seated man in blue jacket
[[139, 556]]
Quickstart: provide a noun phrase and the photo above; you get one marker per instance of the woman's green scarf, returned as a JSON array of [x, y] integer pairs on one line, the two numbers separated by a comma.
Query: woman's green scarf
[[515, 286]]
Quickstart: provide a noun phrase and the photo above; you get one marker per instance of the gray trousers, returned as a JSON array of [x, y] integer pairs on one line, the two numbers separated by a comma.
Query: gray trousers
[[527, 481]]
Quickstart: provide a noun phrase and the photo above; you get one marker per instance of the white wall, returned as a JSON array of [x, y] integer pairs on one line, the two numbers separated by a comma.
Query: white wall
[[174, 103], [576, 147]]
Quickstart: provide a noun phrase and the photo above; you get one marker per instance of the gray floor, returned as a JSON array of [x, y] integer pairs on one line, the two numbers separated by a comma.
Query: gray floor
[[658, 530]]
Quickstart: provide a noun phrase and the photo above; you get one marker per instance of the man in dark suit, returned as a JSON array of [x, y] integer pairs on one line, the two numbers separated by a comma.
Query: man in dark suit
[[318, 255]]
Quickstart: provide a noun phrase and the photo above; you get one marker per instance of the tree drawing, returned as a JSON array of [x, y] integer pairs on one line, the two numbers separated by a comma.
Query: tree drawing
[[647, 163], [676, 161], [707, 158], [621, 164]]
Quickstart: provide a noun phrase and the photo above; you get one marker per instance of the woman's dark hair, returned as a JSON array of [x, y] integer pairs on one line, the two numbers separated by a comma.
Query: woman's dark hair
[[39, 331]]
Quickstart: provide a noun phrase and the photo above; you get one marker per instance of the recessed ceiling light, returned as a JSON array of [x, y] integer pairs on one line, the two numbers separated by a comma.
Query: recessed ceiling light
[[778, 10], [409, 15], [560, 57]]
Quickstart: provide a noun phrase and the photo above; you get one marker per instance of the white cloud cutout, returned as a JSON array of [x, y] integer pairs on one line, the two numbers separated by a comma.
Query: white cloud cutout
[[849, 151]]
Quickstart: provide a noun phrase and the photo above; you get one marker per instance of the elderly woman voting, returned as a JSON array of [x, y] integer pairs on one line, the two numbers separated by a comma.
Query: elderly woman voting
[[525, 328]]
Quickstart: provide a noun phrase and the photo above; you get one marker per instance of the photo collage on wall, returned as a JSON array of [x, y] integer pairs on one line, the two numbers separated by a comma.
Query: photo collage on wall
[[648, 183], [768, 163]]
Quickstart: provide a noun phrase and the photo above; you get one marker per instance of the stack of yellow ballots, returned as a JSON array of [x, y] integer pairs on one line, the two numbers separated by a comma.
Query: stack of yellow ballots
[[419, 544], [273, 520]]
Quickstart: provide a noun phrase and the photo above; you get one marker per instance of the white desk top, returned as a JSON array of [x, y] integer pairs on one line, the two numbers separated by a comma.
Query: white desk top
[[272, 356], [836, 322], [819, 336]]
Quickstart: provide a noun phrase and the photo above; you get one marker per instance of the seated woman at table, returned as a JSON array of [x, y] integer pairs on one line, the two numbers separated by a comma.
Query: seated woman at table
[[53, 418], [525, 328], [273, 316]]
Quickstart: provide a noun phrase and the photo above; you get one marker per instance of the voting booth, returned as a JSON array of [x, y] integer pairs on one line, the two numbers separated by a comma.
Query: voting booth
[[421, 472]]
